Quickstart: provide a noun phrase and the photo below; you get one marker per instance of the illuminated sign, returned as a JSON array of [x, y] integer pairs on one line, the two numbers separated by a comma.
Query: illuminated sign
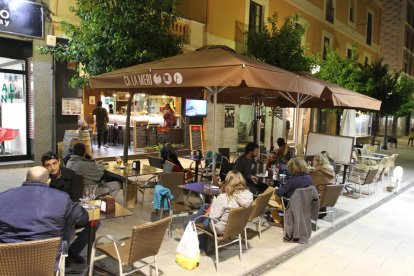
[[21, 18]]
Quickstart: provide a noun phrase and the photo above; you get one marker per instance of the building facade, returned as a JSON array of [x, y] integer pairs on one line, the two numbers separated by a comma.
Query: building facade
[[339, 24]]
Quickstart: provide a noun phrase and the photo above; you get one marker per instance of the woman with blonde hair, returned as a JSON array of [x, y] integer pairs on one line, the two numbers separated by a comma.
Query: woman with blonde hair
[[322, 174], [234, 193], [299, 178]]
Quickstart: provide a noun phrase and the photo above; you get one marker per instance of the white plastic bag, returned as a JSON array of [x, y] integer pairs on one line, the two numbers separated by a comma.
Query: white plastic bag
[[188, 245]]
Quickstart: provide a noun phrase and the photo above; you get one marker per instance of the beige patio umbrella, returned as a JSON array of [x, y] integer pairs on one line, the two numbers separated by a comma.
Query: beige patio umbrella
[[224, 73], [334, 96]]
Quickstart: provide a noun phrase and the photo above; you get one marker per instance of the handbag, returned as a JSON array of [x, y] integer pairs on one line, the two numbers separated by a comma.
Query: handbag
[[188, 252]]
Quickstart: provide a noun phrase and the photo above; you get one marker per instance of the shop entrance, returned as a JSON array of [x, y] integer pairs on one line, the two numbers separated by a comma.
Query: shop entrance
[[14, 122]]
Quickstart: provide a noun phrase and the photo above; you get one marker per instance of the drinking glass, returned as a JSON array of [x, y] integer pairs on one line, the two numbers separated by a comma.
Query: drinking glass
[[118, 161], [85, 199]]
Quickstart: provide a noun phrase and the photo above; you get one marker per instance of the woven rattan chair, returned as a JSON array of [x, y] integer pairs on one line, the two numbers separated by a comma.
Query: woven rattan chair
[[30, 258], [237, 221], [145, 241], [329, 199], [178, 205], [261, 201]]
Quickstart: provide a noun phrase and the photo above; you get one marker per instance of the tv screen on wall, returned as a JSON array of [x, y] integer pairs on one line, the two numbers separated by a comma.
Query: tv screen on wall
[[195, 107]]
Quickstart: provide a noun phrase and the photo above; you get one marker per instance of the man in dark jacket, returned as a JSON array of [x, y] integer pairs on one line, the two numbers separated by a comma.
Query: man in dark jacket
[[246, 165], [35, 211], [61, 178], [102, 120]]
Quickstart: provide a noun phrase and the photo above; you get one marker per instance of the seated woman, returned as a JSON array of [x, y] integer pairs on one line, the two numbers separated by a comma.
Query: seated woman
[[300, 178], [168, 153], [233, 194], [322, 174]]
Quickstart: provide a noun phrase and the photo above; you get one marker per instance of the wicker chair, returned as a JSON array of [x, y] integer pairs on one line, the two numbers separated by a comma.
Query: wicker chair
[[178, 205], [145, 241], [329, 199], [236, 224], [261, 201], [31, 258], [363, 179]]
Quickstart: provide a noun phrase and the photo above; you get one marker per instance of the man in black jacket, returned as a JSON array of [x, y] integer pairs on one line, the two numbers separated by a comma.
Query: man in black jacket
[[64, 179], [61, 178], [246, 165]]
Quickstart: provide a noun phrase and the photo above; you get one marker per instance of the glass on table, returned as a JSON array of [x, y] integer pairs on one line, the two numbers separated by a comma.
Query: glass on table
[[86, 198]]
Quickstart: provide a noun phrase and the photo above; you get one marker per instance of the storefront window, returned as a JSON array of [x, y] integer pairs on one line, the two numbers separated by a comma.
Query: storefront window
[[13, 127]]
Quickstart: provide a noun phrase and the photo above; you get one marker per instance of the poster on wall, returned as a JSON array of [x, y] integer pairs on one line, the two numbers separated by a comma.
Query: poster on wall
[[229, 116], [71, 106]]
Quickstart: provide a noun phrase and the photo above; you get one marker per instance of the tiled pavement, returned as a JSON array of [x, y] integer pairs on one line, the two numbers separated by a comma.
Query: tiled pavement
[[379, 242]]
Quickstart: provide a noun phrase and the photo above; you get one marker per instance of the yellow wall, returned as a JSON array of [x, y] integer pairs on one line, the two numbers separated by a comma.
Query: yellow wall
[[222, 17], [312, 12], [192, 10]]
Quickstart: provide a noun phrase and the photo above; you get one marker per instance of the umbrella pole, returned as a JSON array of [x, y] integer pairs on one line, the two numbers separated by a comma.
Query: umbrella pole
[[127, 129], [271, 128], [296, 133], [214, 91]]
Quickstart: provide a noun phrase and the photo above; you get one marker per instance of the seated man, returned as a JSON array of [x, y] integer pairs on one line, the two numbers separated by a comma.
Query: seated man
[[92, 173], [73, 142], [34, 211], [246, 165], [61, 178]]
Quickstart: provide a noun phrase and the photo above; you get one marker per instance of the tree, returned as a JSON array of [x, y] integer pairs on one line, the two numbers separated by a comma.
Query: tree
[[115, 34], [281, 47]]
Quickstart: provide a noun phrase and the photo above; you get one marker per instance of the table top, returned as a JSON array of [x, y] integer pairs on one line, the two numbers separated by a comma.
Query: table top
[[128, 172], [120, 211], [195, 158], [380, 154], [198, 187], [370, 157]]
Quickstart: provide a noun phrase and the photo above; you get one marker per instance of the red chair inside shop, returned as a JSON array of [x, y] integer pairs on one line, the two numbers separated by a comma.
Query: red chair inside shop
[[7, 134]]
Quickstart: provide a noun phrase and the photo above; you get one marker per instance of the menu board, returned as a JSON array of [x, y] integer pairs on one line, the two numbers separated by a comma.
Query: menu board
[[71, 106], [140, 134], [196, 137]]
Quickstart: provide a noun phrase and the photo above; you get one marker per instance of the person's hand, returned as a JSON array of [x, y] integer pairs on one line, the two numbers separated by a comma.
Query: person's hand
[[254, 179]]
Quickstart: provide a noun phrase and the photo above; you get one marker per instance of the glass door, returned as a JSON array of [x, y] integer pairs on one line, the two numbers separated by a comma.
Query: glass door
[[13, 109]]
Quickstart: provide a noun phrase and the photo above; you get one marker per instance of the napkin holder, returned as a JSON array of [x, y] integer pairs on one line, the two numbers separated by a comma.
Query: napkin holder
[[108, 205], [136, 164]]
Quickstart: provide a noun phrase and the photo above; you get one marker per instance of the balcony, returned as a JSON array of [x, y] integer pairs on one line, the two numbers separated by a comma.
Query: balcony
[[191, 31]]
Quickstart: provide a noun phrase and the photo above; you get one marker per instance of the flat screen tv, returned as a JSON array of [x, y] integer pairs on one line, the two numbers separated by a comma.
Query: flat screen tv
[[195, 107]]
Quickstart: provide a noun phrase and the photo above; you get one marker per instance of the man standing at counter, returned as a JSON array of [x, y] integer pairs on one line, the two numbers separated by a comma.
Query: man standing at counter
[[102, 120]]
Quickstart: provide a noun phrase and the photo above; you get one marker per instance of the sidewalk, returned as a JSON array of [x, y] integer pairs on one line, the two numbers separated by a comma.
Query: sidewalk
[[261, 255]]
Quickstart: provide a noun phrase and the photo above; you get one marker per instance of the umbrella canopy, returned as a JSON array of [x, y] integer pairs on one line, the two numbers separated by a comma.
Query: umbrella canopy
[[210, 66]]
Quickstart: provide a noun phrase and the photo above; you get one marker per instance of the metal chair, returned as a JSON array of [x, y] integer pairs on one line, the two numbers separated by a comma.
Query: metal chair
[[31, 258], [329, 199], [261, 203], [145, 241], [178, 205], [155, 161], [361, 179], [236, 224]]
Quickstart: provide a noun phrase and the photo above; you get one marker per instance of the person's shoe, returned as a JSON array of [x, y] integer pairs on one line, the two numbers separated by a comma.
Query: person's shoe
[[106, 146], [75, 258], [276, 224], [203, 253], [269, 218], [179, 231], [99, 147]]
